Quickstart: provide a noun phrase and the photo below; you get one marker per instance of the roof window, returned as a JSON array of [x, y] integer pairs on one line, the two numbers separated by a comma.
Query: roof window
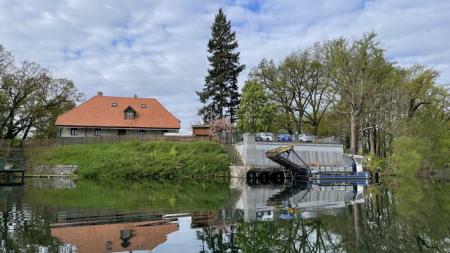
[[114, 104], [143, 105], [129, 113]]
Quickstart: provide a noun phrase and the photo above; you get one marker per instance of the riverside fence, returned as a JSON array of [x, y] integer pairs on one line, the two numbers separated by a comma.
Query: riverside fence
[[92, 140]]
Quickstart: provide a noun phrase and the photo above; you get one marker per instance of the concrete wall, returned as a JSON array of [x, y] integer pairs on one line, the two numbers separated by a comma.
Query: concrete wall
[[253, 153], [105, 132]]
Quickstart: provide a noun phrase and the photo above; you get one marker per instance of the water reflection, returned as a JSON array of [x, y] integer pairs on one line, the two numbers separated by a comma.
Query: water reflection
[[115, 237], [301, 200], [157, 216]]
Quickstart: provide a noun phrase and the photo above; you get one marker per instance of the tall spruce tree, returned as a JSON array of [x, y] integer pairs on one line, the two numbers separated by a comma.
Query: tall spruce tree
[[220, 95]]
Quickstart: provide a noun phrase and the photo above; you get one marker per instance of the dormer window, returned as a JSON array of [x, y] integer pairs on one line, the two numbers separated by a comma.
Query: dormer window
[[143, 105], [129, 113]]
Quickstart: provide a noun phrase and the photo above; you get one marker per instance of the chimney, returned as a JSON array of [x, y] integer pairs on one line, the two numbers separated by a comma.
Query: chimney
[[99, 93], [135, 96]]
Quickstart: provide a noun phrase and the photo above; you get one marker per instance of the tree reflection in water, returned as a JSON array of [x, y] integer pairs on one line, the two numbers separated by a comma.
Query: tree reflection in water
[[390, 220], [405, 215], [22, 230]]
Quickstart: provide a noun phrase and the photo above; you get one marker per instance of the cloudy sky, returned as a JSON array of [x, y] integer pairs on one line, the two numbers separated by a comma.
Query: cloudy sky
[[158, 48]]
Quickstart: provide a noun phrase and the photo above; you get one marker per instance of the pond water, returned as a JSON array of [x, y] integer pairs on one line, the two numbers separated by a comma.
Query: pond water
[[61, 215]]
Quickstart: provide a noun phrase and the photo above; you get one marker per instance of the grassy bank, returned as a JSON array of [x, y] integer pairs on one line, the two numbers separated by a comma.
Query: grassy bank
[[137, 159]]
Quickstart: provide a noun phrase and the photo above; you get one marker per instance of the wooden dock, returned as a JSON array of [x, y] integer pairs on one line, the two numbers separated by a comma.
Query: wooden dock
[[11, 173]]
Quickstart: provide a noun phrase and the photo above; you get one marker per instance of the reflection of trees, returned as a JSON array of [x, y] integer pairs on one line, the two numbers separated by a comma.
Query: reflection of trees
[[408, 219], [285, 236], [279, 236], [23, 231], [216, 239], [404, 218]]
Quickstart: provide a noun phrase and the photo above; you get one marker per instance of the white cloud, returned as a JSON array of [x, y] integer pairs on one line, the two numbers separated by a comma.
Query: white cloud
[[158, 48]]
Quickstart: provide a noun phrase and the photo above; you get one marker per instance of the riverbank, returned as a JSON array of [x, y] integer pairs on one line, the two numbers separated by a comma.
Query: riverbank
[[132, 160]]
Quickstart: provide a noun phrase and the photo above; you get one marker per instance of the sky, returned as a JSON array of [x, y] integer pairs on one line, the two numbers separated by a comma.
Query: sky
[[159, 48]]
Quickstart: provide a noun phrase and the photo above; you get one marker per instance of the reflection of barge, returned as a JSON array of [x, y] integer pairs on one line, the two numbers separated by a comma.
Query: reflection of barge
[[360, 176], [305, 200]]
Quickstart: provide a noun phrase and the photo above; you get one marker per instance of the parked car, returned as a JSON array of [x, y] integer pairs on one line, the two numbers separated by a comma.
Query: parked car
[[264, 137], [285, 138], [305, 138]]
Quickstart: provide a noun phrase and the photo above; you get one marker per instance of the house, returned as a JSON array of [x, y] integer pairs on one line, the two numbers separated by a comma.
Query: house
[[201, 130], [117, 116], [117, 237]]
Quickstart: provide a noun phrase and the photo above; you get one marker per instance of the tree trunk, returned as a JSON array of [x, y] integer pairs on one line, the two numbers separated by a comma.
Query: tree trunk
[[378, 148], [372, 141], [315, 129], [300, 123], [354, 132]]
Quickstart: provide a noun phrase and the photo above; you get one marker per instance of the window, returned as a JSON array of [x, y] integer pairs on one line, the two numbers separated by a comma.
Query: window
[[114, 104], [73, 131], [143, 105], [97, 132], [141, 132], [129, 113]]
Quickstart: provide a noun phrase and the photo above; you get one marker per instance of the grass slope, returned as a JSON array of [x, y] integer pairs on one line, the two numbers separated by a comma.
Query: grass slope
[[137, 159]]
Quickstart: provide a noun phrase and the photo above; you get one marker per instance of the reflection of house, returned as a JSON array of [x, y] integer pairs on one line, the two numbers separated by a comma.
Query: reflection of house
[[116, 237], [114, 116]]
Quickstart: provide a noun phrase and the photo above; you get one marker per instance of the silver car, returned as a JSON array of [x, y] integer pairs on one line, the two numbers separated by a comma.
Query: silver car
[[306, 138]]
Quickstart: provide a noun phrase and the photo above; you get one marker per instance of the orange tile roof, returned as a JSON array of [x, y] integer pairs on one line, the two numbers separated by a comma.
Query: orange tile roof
[[99, 112]]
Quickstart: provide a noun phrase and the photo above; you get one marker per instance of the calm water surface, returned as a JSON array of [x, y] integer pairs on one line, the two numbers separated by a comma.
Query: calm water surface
[[406, 215]]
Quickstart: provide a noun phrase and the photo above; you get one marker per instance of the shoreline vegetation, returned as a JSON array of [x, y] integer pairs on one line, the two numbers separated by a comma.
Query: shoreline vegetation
[[135, 160]]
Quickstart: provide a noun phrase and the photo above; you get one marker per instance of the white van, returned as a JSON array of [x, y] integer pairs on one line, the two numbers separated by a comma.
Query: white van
[[264, 137]]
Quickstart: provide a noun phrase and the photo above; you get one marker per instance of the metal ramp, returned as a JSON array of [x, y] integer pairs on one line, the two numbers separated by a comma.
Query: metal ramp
[[290, 160]]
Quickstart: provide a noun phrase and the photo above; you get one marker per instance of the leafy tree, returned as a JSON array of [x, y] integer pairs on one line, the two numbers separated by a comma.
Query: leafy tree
[[353, 68], [417, 87], [319, 94], [255, 113], [220, 94], [31, 97], [299, 86], [45, 126], [268, 74]]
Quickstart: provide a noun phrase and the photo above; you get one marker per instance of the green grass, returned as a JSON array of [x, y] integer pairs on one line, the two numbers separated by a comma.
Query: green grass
[[130, 160]]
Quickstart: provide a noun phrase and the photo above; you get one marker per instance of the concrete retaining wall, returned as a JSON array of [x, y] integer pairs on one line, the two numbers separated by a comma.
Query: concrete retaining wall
[[253, 153]]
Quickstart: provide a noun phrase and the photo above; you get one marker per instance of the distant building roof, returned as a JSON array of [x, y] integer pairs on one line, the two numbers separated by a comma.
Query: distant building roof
[[108, 112]]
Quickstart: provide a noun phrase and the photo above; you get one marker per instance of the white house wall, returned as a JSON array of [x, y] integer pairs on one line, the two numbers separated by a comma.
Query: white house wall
[[90, 132]]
